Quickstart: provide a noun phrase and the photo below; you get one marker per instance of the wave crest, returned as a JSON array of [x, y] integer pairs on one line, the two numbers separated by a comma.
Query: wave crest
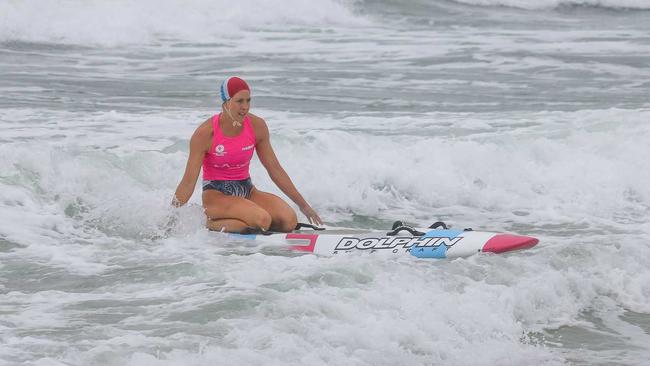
[[550, 4], [136, 22]]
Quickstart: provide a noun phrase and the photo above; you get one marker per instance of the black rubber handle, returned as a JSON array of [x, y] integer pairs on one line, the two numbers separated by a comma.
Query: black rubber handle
[[249, 230], [407, 228], [438, 224], [301, 225]]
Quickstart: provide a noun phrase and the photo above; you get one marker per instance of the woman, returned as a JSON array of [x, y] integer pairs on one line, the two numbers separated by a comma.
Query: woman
[[223, 146]]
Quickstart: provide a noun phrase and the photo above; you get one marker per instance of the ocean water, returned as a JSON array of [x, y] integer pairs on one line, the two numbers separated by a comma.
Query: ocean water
[[519, 116]]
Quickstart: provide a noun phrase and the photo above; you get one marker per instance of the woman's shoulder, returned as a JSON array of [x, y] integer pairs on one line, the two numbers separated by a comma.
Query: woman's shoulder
[[204, 130], [256, 121], [259, 125], [206, 126]]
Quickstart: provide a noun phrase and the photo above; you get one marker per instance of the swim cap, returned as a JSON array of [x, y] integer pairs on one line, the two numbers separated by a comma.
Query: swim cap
[[232, 86]]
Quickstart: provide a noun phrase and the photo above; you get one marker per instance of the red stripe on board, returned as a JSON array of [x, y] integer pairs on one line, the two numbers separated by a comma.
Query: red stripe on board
[[303, 248]]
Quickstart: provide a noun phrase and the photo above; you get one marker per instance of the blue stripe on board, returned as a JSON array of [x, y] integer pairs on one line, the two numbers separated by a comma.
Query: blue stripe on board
[[451, 233], [430, 252], [243, 236]]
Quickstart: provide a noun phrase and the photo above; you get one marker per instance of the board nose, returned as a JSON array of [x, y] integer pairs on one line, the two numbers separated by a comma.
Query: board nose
[[507, 242]]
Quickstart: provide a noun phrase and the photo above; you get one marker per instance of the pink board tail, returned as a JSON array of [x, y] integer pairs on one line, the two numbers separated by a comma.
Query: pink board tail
[[506, 242]]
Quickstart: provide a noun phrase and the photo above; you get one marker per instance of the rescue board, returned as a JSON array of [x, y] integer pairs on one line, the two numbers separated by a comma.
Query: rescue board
[[436, 241]]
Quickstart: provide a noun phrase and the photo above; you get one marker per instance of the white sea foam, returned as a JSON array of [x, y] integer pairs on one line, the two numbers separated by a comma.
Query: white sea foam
[[547, 4], [486, 170], [127, 22], [474, 164], [567, 169]]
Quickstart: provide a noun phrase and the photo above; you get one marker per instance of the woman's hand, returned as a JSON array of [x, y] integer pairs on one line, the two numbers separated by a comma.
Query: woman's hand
[[312, 216]]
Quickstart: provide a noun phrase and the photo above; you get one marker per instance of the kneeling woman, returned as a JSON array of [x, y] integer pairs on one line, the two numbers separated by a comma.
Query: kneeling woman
[[223, 145]]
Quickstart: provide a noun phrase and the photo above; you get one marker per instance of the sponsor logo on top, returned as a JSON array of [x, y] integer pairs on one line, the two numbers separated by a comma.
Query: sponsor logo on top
[[394, 244], [219, 150]]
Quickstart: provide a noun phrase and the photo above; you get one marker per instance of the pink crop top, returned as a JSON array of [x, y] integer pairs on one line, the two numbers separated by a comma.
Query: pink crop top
[[229, 157]]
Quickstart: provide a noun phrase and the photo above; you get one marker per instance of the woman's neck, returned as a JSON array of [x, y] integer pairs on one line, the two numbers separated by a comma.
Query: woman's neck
[[229, 117], [227, 126]]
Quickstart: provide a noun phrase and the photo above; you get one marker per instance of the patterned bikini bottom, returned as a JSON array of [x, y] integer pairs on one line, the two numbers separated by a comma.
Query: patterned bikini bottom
[[239, 188]]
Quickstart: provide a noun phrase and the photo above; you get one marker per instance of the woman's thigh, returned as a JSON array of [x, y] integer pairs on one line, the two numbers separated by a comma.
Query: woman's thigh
[[220, 206], [283, 217]]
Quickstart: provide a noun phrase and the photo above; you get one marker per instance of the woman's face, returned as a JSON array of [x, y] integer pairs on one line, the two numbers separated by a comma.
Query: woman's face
[[240, 104]]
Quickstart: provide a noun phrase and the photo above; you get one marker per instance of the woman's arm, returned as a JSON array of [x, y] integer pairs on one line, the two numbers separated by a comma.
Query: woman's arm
[[278, 175], [199, 145]]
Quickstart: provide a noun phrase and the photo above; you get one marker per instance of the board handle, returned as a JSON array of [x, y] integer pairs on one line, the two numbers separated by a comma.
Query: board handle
[[249, 230], [301, 225], [410, 229], [438, 224]]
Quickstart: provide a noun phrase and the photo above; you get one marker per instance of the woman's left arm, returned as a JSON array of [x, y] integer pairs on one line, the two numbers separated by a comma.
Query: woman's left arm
[[276, 172]]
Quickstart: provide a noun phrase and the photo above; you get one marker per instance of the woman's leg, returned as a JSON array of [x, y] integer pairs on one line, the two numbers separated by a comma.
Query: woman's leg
[[283, 217], [233, 214], [227, 225]]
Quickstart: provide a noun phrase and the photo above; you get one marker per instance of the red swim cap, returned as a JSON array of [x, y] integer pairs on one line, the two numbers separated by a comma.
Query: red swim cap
[[232, 86]]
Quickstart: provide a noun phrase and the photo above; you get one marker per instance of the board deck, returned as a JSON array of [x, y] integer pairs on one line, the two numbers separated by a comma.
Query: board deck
[[417, 242]]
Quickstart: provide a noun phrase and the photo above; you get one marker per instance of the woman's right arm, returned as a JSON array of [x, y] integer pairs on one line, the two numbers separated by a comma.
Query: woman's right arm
[[199, 145]]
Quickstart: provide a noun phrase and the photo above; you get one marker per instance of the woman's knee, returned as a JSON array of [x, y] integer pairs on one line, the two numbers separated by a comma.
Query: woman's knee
[[285, 221], [212, 212], [260, 218]]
